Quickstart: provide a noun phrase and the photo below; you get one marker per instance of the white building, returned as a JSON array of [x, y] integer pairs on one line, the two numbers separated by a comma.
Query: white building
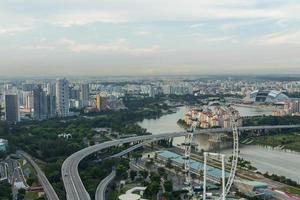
[[62, 97]]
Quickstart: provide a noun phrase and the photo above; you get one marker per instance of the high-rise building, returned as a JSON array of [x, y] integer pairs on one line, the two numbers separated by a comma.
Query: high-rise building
[[29, 102], [98, 102], [51, 105], [101, 103], [28, 87], [51, 100], [151, 91], [74, 93], [39, 103], [84, 94], [51, 89], [12, 113], [62, 97]]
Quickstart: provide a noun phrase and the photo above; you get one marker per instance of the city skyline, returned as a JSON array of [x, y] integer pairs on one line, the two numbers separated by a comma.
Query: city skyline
[[114, 38]]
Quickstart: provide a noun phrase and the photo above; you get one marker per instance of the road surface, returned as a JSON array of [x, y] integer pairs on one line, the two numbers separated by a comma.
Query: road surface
[[74, 187], [48, 189], [100, 192], [127, 151]]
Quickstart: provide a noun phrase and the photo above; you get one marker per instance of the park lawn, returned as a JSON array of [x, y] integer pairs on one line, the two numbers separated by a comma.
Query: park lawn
[[288, 141], [31, 195], [292, 190]]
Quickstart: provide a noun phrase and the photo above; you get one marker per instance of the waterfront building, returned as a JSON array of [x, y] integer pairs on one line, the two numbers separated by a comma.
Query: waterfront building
[[209, 117], [62, 97]]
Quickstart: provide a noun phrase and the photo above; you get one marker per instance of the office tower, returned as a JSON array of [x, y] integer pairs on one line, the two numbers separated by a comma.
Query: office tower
[[84, 94], [101, 103], [12, 108], [39, 103], [62, 97]]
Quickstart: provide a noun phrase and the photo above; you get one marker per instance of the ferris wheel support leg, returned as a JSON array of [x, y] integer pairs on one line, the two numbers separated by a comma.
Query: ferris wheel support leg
[[204, 176], [223, 177]]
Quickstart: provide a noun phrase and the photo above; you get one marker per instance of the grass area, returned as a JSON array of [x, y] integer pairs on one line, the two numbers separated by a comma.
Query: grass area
[[31, 195], [288, 141], [292, 190]]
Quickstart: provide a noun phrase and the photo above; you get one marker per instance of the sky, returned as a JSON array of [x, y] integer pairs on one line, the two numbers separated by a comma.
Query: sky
[[149, 37]]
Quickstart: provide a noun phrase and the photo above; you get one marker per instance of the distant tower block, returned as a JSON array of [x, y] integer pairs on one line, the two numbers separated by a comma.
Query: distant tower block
[[62, 97]]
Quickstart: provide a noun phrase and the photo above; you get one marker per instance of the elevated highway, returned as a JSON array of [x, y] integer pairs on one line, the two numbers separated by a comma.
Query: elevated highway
[[74, 187], [47, 187], [100, 192]]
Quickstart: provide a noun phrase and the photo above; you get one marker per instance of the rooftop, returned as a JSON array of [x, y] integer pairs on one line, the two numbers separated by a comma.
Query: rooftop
[[195, 165]]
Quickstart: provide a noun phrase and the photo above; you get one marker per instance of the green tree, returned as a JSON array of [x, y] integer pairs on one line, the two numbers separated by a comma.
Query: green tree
[[144, 174], [5, 191], [161, 171], [133, 174], [21, 194], [169, 163], [168, 186], [121, 171]]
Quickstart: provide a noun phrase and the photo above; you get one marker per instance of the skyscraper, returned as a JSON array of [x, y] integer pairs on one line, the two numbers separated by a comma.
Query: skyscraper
[[84, 94], [39, 103], [12, 113], [62, 97]]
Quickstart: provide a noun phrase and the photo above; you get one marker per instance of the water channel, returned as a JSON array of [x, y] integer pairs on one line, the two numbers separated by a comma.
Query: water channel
[[264, 159]]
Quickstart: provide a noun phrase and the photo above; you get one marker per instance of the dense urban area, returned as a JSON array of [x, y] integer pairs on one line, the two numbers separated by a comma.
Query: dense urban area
[[132, 138]]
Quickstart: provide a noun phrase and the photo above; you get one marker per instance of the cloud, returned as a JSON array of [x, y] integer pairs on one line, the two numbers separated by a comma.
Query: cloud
[[229, 26], [196, 25], [84, 18], [13, 29], [39, 47], [142, 33], [280, 38], [119, 46]]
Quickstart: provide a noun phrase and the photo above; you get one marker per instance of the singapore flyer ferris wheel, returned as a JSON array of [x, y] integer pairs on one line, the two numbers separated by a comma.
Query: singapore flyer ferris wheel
[[234, 161]]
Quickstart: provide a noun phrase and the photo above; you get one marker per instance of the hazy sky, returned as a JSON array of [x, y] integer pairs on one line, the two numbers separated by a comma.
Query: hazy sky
[[149, 37]]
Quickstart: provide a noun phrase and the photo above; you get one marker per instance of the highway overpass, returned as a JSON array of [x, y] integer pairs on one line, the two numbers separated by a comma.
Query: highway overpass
[[74, 187]]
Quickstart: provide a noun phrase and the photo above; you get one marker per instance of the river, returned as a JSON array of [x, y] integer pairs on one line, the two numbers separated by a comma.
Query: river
[[264, 159]]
